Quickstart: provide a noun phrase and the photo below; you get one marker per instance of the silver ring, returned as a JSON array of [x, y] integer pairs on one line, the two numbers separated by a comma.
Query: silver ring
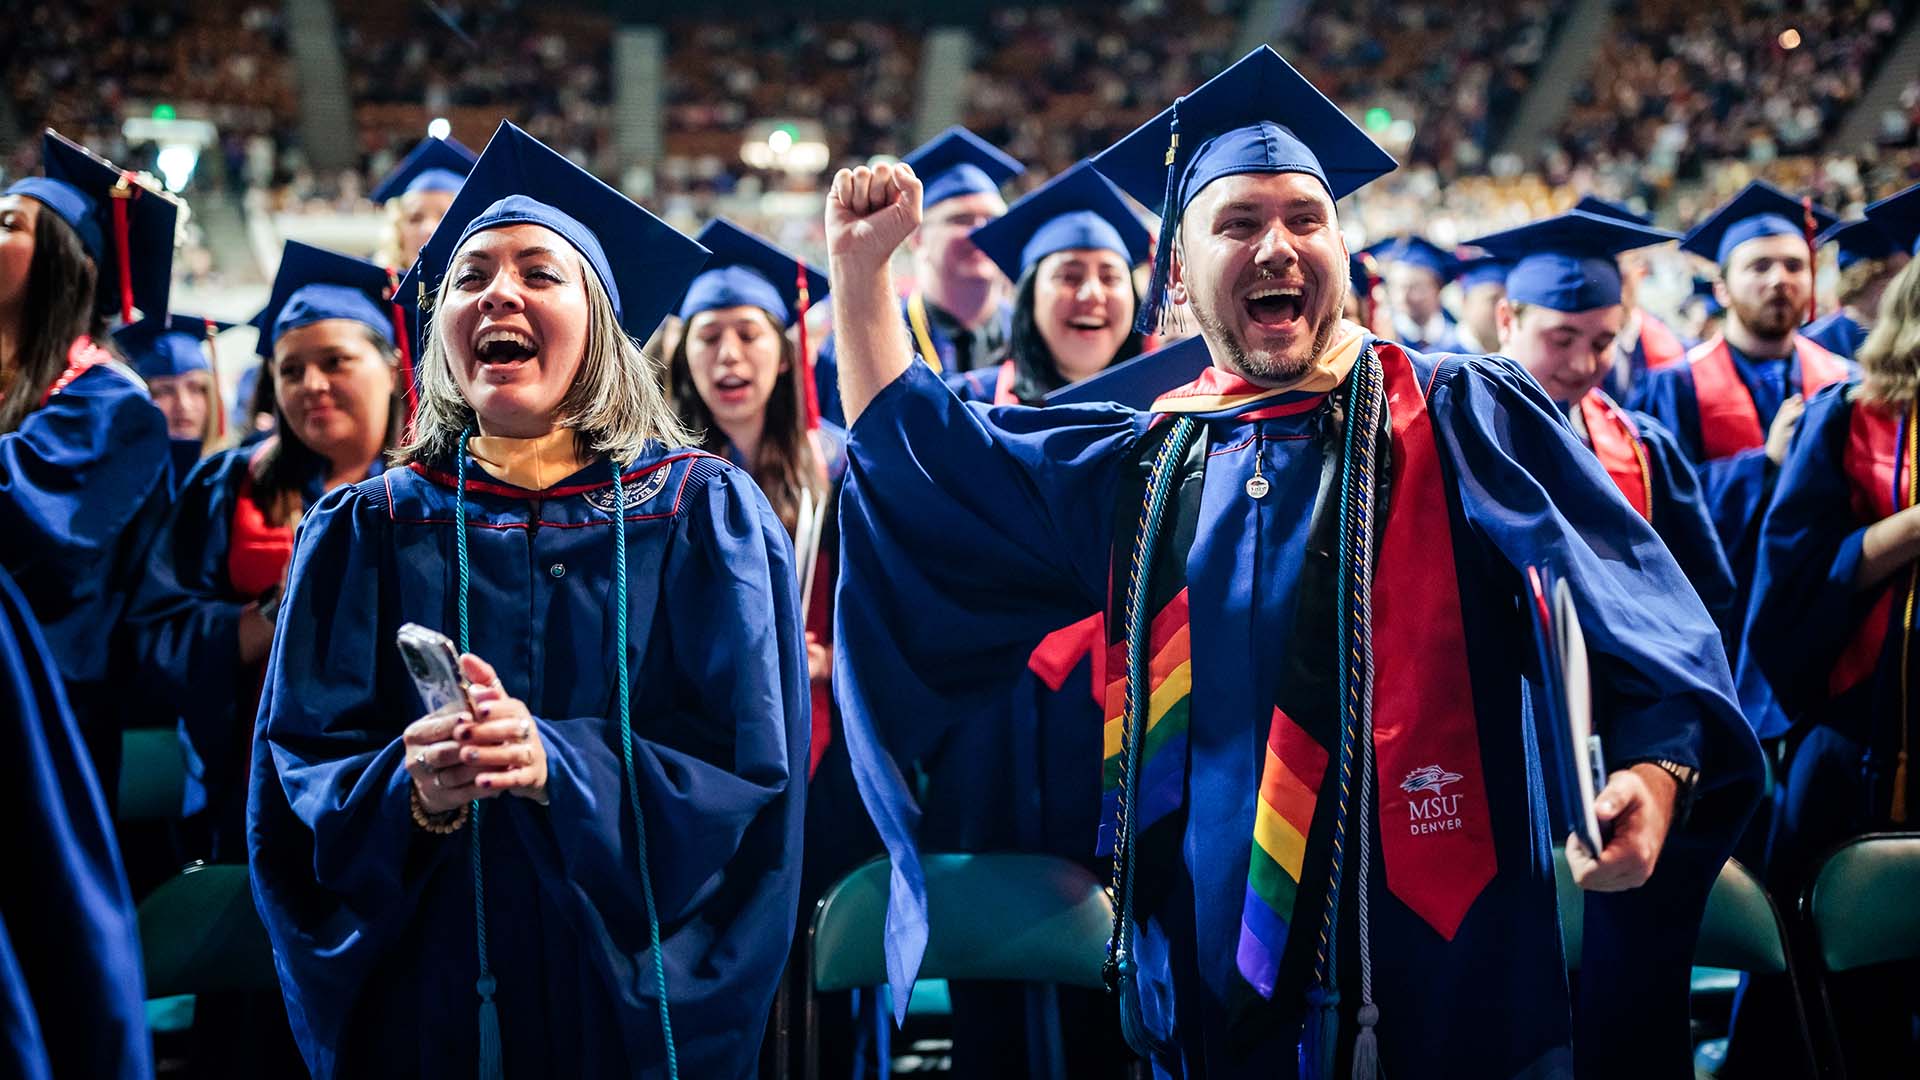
[[436, 779], [420, 759], [526, 730]]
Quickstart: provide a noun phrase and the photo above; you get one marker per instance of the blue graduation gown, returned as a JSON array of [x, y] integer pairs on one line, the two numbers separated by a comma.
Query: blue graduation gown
[[1838, 332], [826, 364], [83, 489], [372, 919], [928, 642], [70, 985]]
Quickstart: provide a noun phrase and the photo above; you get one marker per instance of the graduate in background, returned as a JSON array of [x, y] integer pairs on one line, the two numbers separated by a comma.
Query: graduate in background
[[416, 195], [1734, 403], [1703, 311], [1415, 271], [1867, 259], [84, 457], [173, 355], [1831, 627], [69, 954], [1645, 342], [202, 619], [1564, 307], [592, 868], [1483, 284], [957, 313], [1246, 650]]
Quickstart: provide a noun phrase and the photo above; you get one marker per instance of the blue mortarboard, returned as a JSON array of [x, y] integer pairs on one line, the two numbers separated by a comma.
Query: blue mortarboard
[[957, 162], [1567, 262], [745, 269], [82, 188], [1258, 116], [1077, 209], [1899, 216], [314, 285], [434, 165], [1594, 204], [645, 266], [1416, 251], [1760, 209], [1703, 288], [1483, 270], [1139, 382], [1857, 240], [168, 345]]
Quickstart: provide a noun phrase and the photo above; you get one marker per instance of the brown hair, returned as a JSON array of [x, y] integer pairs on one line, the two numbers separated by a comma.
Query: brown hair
[[281, 466], [1891, 354], [785, 464], [1858, 278], [57, 308]]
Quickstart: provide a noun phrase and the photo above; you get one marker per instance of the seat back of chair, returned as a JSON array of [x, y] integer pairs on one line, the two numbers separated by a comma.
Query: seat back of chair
[[200, 933], [1030, 918], [153, 774], [1742, 928], [1865, 902]]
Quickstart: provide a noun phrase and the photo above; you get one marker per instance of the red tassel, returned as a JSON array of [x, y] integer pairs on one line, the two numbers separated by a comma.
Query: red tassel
[[1812, 226], [809, 394], [213, 365], [402, 346], [123, 192]]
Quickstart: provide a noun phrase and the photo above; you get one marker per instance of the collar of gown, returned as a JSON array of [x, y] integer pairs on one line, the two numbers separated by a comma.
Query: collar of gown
[[1217, 388]]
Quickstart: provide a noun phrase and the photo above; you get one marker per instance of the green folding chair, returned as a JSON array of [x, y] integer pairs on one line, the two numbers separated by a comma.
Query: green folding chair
[[200, 934], [1863, 912], [153, 774], [1029, 918]]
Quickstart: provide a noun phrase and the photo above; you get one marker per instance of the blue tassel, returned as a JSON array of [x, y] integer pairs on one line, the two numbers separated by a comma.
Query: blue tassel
[[1320, 1034], [1148, 319], [1366, 1046], [491, 1067]]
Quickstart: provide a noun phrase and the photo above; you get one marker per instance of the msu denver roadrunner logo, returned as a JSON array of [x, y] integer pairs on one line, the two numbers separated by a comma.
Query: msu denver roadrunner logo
[[1431, 809], [654, 484]]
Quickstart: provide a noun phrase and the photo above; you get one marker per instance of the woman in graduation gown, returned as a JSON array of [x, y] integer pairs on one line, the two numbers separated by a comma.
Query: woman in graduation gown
[[84, 457], [171, 355], [1830, 627], [202, 619], [591, 869]]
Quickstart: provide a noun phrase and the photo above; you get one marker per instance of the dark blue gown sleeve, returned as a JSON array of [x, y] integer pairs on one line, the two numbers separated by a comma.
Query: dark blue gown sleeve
[[1661, 690], [1685, 523], [967, 535], [1805, 608], [1736, 488], [70, 986]]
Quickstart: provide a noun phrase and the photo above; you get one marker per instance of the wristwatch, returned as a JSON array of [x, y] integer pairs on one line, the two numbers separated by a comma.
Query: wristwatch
[[1685, 779]]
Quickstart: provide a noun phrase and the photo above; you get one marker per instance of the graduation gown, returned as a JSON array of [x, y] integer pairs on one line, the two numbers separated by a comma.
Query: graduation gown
[[1837, 332], [373, 919], [83, 489], [1031, 492], [184, 625], [826, 364], [70, 984], [1655, 346], [1735, 474]]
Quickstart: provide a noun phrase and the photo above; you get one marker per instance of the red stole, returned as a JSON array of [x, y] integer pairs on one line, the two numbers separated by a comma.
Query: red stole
[[1659, 344], [819, 621], [1059, 653], [257, 552], [1003, 385], [1437, 843], [1872, 465], [1729, 423], [1616, 442]]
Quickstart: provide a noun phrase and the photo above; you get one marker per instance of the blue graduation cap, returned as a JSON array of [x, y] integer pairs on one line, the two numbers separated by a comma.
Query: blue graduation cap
[[1760, 209], [125, 225], [644, 264], [1483, 270], [957, 162], [1139, 382], [745, 269], [1567, 262], [1416, 251], [1594, 204], [1077, 209], [1898, 215], [1257, 116], [1703, 290], [315, 284], [168, 345], [1857, 240], [434, 165]]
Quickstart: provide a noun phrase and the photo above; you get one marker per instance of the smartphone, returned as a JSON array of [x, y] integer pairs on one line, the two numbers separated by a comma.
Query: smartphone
[[434, 665]]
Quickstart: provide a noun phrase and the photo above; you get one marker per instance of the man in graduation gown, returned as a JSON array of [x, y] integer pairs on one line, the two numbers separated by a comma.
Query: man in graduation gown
[[957, 315], [1229, 533], [1563, 309], [1415, 270], [1483, 284], [1734, 403], [1644, 342], [1867, 258]]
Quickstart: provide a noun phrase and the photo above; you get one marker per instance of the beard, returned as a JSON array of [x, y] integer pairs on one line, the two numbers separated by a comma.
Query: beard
[[1267, 365], [1768, 319]]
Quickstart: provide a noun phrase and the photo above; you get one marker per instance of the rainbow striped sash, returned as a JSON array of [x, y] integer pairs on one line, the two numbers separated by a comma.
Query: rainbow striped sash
[[1163, 756], [1289, 789]]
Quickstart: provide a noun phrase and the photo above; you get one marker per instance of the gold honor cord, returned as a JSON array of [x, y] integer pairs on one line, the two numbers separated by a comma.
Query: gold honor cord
[[1899, 810], [917, 319]]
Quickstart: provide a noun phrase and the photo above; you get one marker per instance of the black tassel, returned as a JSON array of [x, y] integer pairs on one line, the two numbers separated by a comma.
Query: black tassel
[[1148, 319]]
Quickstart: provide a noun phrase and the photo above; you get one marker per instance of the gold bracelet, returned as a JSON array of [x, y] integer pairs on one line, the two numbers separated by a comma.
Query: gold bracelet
[[440, 824]]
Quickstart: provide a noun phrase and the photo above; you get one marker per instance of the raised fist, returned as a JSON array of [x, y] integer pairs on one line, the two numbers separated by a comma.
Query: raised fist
[[870, 212]]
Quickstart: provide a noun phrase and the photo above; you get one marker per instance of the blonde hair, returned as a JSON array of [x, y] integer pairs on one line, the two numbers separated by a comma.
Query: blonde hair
[[1891, 354], [616, 405]]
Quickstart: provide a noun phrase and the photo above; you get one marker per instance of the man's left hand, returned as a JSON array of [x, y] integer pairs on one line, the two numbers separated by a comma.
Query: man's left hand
[[1638, 802]]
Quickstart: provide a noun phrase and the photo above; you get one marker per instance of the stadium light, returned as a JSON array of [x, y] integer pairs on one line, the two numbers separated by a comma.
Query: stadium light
[[1789, 39], [163, 111], [798, 147], [439, 127], [1379, 119], [176, 163]]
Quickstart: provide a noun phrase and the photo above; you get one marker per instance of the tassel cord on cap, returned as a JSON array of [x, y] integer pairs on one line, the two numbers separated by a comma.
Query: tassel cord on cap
[[1154, 303]]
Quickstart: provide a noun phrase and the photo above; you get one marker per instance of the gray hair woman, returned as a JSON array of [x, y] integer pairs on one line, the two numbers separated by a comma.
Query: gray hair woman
[[590, 866]]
